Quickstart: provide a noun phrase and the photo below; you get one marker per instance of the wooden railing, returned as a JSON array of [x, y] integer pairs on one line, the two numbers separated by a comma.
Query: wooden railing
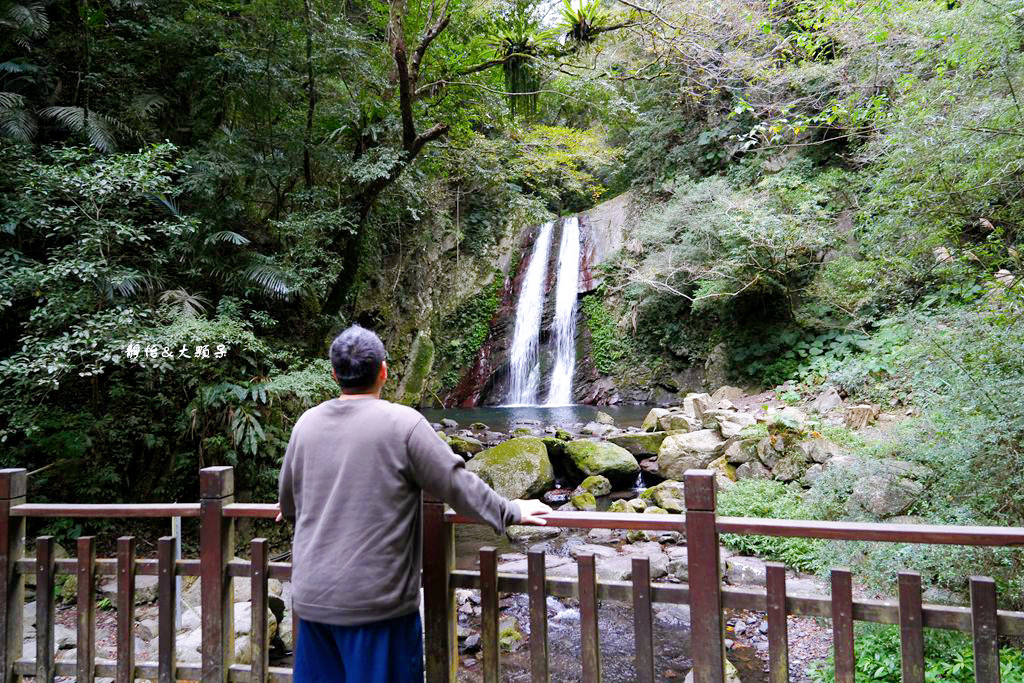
[[704, 593]]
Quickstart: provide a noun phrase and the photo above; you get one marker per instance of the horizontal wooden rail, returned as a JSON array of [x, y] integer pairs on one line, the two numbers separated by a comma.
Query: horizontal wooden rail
[[252, 510], [598, 520], [148, 670], [105, 510], [836, 531], [873, 531], [945, 617]]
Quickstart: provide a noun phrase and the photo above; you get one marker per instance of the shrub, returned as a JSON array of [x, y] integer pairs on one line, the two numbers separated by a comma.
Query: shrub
[[773, 499]]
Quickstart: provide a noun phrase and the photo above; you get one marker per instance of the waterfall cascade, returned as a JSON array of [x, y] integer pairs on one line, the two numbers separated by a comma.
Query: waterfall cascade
[[524, 360], [524, 354], [564, 326]]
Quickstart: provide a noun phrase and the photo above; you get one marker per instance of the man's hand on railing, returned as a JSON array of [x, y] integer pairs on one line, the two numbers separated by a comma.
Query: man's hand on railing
[[532, 511], [280, 517]]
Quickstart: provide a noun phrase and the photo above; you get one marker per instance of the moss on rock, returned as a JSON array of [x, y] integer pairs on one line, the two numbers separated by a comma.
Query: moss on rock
[[597, 484], [517, 468], [417, 369], [585, 501], [646, 443], [601, 457]]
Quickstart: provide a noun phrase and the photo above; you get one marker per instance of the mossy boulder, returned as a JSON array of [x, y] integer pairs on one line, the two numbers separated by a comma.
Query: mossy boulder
[[563, 435], [620, 506], [597, 484], [517, 468], [585, 501], [654, 510], [417, 370], [668, 494], [601, 457], [637, 504], [522, 431], [466, 446], [639, 445], [723, 469]]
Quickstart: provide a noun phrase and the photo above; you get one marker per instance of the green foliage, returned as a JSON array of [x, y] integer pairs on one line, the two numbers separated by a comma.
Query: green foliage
[[466, 331], [770, 499], [948, 655], [607, 343]]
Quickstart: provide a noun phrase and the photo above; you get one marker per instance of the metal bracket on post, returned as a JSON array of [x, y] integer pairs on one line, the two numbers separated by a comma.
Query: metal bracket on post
[[216, 548], [708, 646], [438, 597]]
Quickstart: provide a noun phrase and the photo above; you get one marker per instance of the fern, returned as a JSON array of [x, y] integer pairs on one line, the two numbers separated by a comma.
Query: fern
[[15, 120], [273, 280], [228, 236], [97, 128], [188, 305]]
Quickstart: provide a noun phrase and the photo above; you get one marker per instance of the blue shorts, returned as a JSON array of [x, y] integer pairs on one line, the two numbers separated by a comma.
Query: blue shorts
[[389, 651]]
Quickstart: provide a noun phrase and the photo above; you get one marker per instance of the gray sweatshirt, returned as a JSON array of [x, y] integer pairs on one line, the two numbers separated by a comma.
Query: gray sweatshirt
[[351, 482]]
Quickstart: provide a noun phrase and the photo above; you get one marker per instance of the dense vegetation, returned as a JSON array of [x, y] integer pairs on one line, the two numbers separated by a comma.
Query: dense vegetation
[[825, 193]]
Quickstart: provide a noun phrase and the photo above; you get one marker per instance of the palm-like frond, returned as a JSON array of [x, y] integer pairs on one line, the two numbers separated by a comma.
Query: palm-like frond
[[24, 21], [168, 203], [188, 305], [146, 104], [228, 236], [98, 128], [273, 280]]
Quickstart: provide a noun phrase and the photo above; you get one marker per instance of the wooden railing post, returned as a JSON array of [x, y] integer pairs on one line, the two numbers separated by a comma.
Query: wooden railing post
[[438, 597], [707, 638], [13, 485], [216, 548]]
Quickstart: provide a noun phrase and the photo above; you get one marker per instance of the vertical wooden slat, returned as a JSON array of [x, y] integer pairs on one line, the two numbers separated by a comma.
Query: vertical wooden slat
[[86, 619], [489, 613], [643, 625], [536, 575], [125, 610], [167, 587], [778, 631], [13, 483], [708, 646], [438, 597], [591, 649], [259, 640], [911, 635], [45, 569], [985, 630], [842, 624], [216, 548]]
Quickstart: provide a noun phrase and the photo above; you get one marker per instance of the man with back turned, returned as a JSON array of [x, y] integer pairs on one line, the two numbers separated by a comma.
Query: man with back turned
[[351, 481]]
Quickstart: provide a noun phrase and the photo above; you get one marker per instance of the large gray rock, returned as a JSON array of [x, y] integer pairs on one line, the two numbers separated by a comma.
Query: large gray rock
[[643, 444], [600, 457], [819, 450], [716, 366], [727, 393], [827, 401], [597, 429], [466, 446], [694, 405], [517, 468], [732, 424], [650, 423], [740, 452], [745, 570], [681, 452], [752, 470], [791, 466], [668, 495], [885, 495]]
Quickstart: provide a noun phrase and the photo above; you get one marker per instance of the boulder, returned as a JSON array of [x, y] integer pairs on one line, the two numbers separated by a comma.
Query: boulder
[[659, 561], [517, 468], [449, 423], [681, 452], [637, 504], [556, 497], [654, 510], [770, 449], [592, 549], [694, 405], [716, 366], [827, 401], [604, 418], [555, 447], [668, 495], [752, 470], [145, 589], [791, 466], [650, 423], [646, 443], [479, 427], [678, 422], [597, 429], [733, 423], [742, 451], [596, 484], [745, 570], [597, 457], [885, 495], [727, 393], [620, 506], [526, 533], [617, 568], [584, 501], [731, 674], [819, 450], [466, 446], [812, 475], [417, 370], [722, 469]]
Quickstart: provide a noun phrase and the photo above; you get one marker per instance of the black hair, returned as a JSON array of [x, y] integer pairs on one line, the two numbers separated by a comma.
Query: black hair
[[356, 355]]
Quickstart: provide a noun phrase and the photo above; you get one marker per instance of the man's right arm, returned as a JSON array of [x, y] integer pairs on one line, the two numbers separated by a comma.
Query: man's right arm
[[438, 470], [285, 483]]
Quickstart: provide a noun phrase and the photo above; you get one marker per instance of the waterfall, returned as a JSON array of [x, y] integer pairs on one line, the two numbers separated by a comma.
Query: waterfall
[[524, 360], [564, 325]]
